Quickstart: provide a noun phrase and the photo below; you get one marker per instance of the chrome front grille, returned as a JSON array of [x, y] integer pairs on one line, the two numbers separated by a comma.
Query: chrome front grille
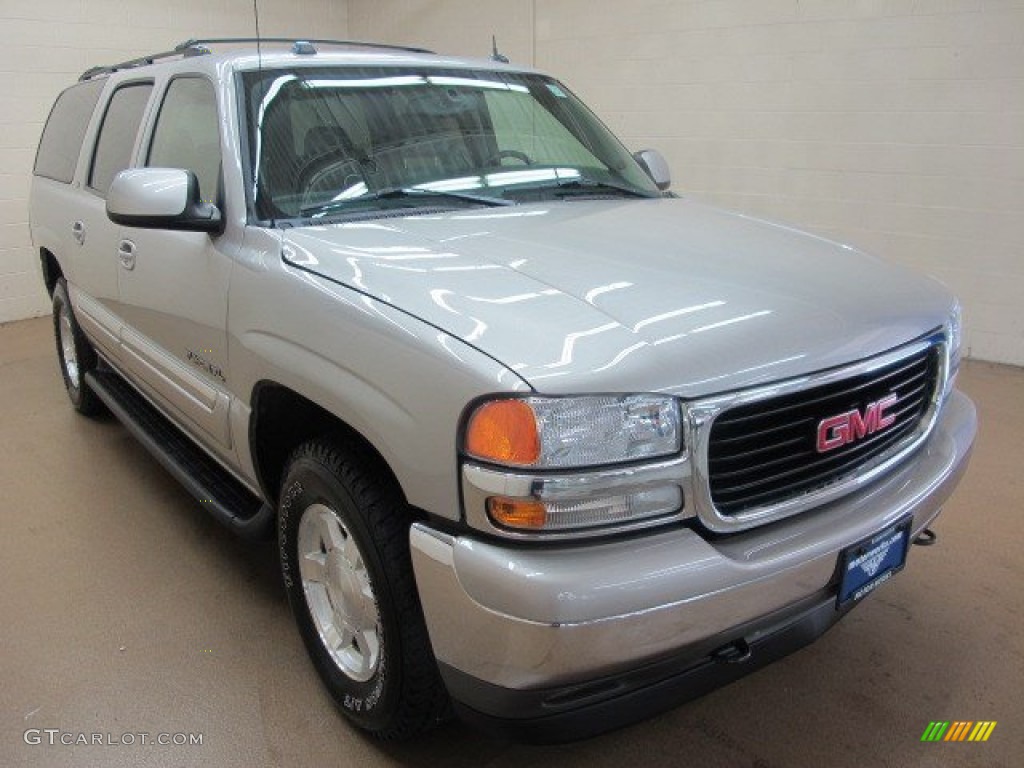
[[761, 455]]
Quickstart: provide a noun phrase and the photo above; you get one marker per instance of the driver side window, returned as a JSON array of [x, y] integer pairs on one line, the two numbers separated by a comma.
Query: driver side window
[[187, 134]]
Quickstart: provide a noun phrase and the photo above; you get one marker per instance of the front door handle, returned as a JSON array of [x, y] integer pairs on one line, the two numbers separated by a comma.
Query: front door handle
[[78, 232], [126, 253]]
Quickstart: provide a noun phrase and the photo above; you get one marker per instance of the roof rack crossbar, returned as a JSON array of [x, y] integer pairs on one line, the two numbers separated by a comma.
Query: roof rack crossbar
[[321, 41]]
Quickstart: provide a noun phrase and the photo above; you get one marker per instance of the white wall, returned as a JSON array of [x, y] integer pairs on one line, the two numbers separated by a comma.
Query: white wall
[[895, 125], [46, 44], [457, 27]]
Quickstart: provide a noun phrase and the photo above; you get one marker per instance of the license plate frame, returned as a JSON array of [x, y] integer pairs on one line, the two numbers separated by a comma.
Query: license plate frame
[[866, 565]]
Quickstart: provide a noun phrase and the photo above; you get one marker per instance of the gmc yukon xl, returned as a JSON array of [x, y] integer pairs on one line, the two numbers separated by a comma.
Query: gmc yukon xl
[[540, 441]]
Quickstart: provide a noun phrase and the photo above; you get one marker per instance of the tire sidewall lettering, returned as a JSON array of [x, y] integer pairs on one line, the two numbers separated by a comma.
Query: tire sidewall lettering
[[284, 515]]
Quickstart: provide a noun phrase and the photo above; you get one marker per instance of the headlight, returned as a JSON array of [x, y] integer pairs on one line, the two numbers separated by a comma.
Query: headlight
[[954, 339], [565, 432], [533, 437], [955, 332]]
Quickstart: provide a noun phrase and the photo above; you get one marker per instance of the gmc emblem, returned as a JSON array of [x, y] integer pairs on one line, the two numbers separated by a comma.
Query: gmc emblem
[[836, 431]]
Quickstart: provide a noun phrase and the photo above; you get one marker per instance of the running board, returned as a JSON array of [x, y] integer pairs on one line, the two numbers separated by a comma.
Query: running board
[[230, 502]]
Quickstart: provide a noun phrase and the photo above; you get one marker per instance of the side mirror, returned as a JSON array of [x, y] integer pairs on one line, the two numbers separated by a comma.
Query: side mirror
[[651, 160], [161, 198]]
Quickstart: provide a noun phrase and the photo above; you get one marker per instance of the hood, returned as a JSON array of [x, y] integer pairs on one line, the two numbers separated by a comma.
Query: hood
[[630, 295]]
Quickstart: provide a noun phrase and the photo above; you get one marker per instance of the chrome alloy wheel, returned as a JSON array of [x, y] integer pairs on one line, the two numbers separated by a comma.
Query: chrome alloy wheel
[[338, 592], [67, 345]]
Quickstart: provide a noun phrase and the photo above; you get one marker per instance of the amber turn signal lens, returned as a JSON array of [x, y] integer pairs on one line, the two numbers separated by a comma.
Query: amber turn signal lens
[[504, 431], [514, 513]]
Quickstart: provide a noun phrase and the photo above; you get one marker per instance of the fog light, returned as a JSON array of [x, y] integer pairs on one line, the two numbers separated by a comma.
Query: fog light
[[517, 513], [564, 515]]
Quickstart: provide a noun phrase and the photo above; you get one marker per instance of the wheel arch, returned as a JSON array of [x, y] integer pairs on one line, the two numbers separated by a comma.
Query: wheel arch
[[282, 419], [51, 268]]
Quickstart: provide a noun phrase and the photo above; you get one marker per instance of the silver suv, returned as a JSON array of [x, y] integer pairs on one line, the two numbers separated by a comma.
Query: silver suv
[[537, 438]]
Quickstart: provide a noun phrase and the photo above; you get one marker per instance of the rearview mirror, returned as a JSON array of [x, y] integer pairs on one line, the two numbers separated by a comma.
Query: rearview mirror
[[161, 198], [651, 160]]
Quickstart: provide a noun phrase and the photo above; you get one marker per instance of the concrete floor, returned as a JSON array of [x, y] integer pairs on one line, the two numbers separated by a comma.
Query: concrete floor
[[125, 609]]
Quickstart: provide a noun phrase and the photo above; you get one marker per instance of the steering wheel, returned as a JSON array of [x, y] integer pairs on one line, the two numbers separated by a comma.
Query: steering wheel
[[328, 172], [515, 154], [317, 164]]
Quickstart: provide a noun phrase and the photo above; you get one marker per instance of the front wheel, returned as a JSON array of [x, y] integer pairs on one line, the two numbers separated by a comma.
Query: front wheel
[[74, 353], [343, 536]]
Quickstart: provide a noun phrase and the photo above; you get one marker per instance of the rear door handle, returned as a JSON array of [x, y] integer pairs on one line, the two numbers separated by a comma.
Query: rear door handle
[[78, 232], [126, 253]]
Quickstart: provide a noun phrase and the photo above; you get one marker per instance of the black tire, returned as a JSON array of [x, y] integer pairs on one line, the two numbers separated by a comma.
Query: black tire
[[404, 695], [82, 397]]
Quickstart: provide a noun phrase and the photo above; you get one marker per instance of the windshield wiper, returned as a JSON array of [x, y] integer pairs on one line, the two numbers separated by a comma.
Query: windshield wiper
[[587, 184], [398, 193]]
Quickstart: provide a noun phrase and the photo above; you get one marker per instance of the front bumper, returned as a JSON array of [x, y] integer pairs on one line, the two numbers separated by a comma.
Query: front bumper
[[532, 635]]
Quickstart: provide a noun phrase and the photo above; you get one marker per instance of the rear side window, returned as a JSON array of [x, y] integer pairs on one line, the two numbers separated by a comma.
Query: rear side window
[[62, 137], [117, 134], [187, 133]]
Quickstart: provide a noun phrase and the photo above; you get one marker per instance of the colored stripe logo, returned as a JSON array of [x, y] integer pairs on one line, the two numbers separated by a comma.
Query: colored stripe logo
[[958, 730]]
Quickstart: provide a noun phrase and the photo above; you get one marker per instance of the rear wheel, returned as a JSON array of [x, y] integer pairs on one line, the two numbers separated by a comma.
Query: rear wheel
[[74, 353], [343, 534]]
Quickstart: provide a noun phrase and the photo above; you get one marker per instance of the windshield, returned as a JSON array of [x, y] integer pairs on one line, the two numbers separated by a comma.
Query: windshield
[[358, 141]]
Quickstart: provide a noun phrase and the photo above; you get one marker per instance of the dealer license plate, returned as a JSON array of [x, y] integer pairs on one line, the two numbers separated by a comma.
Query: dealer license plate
[[872, 562]]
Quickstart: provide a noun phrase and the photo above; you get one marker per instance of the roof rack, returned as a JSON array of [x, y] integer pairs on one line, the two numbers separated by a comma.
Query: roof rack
[[197, 47], [296, 40], [142, 61]]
